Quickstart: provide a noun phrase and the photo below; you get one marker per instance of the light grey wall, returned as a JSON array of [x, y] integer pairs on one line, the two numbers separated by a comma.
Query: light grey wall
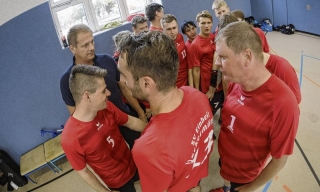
[[12, 8]]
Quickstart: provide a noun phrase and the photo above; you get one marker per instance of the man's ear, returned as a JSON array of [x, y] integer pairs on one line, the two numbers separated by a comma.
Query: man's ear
[[86, 96], [147, 83], [248, 55], [72, 49]]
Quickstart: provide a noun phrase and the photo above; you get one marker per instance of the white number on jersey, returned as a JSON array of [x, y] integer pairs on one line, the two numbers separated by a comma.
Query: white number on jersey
[[110, 140], [184, 54], [230, 127]]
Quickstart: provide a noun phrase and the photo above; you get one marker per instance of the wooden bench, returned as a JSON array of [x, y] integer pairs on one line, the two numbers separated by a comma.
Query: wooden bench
[[53, 151], [32, 161]]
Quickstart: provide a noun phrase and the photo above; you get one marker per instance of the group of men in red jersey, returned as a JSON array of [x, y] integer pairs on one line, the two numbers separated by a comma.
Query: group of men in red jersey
[[260, 114]]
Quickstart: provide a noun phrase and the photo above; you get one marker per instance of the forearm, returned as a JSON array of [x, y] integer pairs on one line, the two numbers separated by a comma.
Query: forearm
[[196, 77], [92, 180], [190, 78], [135, 124], [269, 172]]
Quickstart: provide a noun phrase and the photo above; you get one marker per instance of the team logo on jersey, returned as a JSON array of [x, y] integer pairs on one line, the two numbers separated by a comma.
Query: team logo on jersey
[[99, 125], [242, 98], [177, 44], [211, 41]]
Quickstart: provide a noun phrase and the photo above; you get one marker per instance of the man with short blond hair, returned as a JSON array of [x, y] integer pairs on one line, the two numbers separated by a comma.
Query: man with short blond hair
[[251, 118], [220, 7]]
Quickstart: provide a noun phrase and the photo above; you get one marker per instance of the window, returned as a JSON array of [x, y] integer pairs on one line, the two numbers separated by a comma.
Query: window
[[94, 13]]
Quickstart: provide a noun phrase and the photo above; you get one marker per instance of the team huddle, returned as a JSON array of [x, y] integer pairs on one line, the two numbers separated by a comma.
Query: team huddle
[[145, 115]]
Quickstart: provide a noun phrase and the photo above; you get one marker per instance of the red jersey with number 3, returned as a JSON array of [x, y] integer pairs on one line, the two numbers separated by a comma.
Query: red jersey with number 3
[[99, 144], [173, 151], [183, 62]]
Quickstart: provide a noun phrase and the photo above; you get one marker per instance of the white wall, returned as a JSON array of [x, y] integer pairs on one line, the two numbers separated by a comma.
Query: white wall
[[12, 8]]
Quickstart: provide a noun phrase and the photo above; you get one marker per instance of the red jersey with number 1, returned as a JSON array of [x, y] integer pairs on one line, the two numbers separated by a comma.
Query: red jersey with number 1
[[256, 124], [183, 62]]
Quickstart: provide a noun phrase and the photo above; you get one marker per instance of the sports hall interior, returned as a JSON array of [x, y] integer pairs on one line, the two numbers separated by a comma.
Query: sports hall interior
[[32, 61]]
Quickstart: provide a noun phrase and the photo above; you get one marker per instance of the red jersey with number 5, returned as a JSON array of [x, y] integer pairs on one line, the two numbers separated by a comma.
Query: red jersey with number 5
[[99, 144]]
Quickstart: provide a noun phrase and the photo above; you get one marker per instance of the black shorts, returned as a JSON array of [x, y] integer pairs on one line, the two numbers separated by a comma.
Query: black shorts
[[128, 187], [217, 101]]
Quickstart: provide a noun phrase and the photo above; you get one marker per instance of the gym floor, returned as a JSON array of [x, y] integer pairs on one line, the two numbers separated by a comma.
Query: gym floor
[[302, 171]]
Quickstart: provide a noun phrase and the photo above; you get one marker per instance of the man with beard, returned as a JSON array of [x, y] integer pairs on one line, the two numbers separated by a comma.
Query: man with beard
[[173, 151]]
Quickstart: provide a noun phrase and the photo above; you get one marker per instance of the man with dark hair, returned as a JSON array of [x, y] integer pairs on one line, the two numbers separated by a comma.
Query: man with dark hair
[[81, 41], [189, 29], [91, 135], [173, 151], [154, 12], [170, 27], [139, 23], [260, 114]]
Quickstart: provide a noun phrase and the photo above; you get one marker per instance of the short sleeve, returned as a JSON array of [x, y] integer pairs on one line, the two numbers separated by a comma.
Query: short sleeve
[[120, 117], [284, 129], [74, 155], [194, 59], [65, 90]]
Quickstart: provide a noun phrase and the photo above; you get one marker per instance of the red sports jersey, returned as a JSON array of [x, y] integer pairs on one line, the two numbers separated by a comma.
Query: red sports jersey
[[265, 45], [201, 55], [173, 151], [188, 43], [152, 28], [256, 124], [183, 62], [99, 144], [284, 71]]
